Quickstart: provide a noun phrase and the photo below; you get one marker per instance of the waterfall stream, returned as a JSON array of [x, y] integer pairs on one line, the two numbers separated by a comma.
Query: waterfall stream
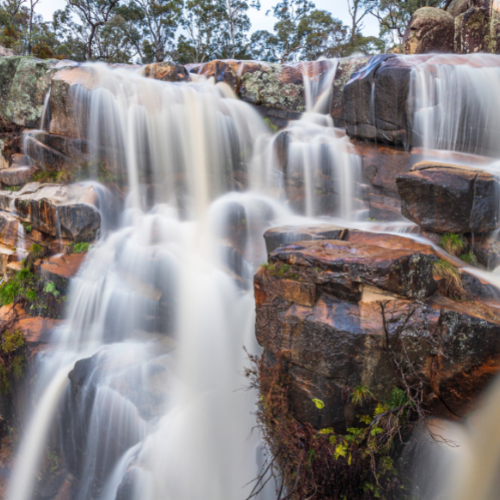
[[163, 305]]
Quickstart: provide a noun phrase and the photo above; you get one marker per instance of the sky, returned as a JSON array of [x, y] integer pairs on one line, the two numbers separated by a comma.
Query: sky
[[259, 19]]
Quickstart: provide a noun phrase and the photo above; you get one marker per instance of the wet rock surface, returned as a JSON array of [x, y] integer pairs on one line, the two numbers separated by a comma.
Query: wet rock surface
[[319, 308], [69, 211], [375, 100], [445, 198]]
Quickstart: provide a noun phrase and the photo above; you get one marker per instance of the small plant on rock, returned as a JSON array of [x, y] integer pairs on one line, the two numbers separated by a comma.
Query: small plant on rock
[[451, 283], [81, 247], [453, 243], [468, 258]]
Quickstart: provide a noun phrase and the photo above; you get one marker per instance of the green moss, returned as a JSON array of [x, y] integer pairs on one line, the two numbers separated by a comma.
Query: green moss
[[81, 247], [453, 243], [468, 258]]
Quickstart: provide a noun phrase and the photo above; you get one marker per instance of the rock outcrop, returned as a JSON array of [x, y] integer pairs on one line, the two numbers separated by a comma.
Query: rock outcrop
[[444, 198], [319, 308], [376, 100], [429, 30], [57, 210]]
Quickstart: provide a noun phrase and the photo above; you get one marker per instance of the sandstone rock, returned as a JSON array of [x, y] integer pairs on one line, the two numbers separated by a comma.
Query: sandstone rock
[[61, 268], [70, 211], [45, 156], [446, 198], [458, 7], [167, 72], [332, 341], [20, 160], [68, 108], [376, 100], [36, 330], [283, 235], [9, 229], [346, 67], [17, 176], [429, 30], [342, 267], [472, 31], [221, 71], [382, 164]]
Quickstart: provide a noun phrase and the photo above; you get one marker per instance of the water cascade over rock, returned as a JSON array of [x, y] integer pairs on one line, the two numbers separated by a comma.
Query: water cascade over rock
[[175, 215]]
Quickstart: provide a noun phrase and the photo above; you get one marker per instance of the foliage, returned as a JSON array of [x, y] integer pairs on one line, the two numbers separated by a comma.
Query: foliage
[[12, 360], [453, 243], [451, 283], [301, 32], [469, 258], [79, 247], [394, 15], [38, 296], [305, 461]]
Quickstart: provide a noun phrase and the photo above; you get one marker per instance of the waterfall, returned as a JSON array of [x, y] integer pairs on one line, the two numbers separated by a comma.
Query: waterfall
[[456, 103], [163, 306]]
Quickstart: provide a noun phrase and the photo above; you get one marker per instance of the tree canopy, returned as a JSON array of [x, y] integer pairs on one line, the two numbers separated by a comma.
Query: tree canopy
[[195, 31]]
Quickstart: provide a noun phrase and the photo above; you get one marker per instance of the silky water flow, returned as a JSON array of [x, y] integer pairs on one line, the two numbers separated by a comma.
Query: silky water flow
[[142, 392]]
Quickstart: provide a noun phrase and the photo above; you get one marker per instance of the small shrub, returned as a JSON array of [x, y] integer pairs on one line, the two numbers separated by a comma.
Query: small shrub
[[453, 243], [451, 283], [468, 258], [81, 247], [12, 341]]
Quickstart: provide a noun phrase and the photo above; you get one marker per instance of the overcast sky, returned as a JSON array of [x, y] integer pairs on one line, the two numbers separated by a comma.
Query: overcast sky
[[259, 19]]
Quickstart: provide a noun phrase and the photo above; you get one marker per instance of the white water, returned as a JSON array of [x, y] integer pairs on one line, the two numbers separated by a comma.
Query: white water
[[163, 305]]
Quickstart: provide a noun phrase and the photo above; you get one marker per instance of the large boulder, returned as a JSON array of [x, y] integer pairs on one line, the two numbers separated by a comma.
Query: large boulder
[[333, 341], [62, 211], [472, 31], [429, 30], [457, 7], [345, 68], [24, 82], [18, 175], [167, 72], [263, 84], [444, 198], [376, 103], [68, 107]]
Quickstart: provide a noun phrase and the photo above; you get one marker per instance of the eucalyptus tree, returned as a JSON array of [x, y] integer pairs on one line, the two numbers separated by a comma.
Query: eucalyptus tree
[[83, 21], [301, 32]]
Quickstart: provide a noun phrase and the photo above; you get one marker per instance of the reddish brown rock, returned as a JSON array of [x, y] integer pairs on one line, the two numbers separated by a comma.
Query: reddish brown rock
[[167, 72], [342, 267], [445, 198], [382, 164], [61, 268], [334, 341], [430, 30], [17, 176], [70, 211], [36, 330], [283, 235], [346, 67], [9, 229]]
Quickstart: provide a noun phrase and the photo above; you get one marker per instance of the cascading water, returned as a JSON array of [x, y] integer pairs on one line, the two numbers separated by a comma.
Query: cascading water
[[142, 385], [456, 103], [162, 307]]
